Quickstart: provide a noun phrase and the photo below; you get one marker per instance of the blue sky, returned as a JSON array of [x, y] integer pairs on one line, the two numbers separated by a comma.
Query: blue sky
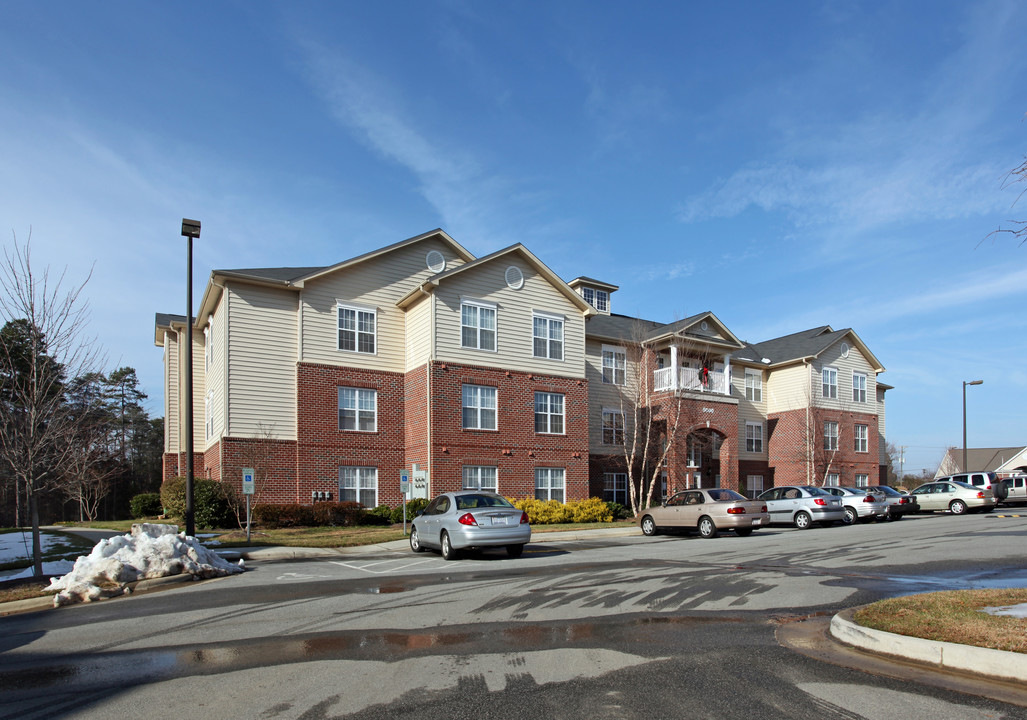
[[784, 165]]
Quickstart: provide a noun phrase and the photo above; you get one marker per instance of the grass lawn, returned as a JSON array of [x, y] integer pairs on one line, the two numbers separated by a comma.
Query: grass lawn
[[954, 616]]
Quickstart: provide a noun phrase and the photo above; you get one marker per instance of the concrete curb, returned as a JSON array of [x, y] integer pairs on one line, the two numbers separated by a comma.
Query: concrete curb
[[999, 664]]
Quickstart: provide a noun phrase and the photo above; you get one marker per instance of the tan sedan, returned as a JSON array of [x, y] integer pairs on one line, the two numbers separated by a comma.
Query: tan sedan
[[709, 511]]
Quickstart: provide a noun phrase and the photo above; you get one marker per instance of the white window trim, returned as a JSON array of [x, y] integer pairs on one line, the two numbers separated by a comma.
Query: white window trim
[[615, 350], [602, 427], [823, 382], [362, 468], [477, 472], [759, 425], [855, 389], [488, 305], [549, 317], [478, 408], [549, 415], [834, 446], [750, 485], [861, 444], [615, 483], [356, 417], [757, 386], [548, 472], [357, 308]]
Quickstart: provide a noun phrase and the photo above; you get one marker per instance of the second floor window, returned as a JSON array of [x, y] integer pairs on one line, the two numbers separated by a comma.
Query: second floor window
[[479, 407], [861, 438], [830, 382], [859, 387], [754, 437], [548, 412], [477, 326], [548, 337], [599, 299], [614, 361], [613, 427], [753, 386], [358, 409], [830, 436], [357, 329]]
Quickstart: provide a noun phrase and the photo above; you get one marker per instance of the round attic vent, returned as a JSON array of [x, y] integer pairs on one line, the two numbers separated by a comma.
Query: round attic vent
[[845, 350], [704, 325], [436, 261], [514, 278]]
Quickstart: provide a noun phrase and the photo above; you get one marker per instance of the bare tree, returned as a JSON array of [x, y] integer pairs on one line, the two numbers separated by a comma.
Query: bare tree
[[820, 441], [651, 420], [40, 348], [92, 465], [1019, 227], [256, 454]]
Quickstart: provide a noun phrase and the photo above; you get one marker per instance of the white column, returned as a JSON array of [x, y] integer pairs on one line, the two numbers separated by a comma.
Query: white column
[[674, 367], [727, 374]]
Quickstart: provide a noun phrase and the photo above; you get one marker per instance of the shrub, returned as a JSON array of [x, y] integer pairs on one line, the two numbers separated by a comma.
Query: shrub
[[172, 497], [381, 515], [210, 505], [618, 511], [413, 507], [146, 505], [280, 516], [590, 511], [544, 512]]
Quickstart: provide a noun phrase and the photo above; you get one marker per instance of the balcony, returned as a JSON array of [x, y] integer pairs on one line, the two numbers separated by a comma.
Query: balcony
[[690, 379]]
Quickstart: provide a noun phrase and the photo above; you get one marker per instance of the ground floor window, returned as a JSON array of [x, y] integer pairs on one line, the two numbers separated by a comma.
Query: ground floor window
[[480, 477], [753, 485], [862, 479], [832, 479], [615, 488], [549, 483], [359, 484]]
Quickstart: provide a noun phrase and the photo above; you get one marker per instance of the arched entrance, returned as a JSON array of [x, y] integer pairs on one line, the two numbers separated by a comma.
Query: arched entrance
[[700, 466]]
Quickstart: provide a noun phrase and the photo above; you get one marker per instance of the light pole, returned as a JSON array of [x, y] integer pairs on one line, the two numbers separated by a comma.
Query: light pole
[[190, 230], [965, 383]]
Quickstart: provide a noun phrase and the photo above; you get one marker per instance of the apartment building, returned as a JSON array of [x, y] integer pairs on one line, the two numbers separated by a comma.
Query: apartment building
[[494, 372]]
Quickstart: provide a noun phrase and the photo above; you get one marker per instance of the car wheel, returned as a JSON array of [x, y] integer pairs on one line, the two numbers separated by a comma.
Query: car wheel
[[743, 532], [803, 521], [448, 553], [958, 507], [415, 541], [850, 517], [896, 517], [649, 526], [514, 551], [707, 528]]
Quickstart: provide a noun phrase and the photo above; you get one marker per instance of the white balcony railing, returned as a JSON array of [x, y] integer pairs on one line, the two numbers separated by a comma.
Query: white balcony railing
[[691, 379]]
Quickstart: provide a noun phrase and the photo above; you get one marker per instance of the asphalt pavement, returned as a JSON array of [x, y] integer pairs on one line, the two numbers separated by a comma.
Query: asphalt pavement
[[998, 665]]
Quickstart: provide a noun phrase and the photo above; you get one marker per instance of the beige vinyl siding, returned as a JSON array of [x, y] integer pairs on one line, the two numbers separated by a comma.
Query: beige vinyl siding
[[788, 388], [855, 362], [172, 424], [881, 432], [607, 395], [261, 361], [199, 383], [215, 373], [376, 284], [749, 411], [419, 333], [514, 320]]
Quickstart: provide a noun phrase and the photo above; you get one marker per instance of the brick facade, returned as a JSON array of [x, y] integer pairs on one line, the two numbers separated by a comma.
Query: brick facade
[[785, 443]]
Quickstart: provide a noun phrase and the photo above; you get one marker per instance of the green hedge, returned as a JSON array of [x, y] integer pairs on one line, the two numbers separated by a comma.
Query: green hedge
[[146, 505], [211, 508]]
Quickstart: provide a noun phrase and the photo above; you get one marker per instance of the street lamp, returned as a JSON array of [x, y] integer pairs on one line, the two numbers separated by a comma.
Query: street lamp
[[965, 383], [190, 230]]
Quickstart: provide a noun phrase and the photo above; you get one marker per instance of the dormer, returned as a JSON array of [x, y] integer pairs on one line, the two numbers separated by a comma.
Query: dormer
[[595, 292]]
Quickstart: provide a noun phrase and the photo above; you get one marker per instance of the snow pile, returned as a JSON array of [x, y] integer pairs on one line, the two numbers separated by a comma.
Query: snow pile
[[150, 551]]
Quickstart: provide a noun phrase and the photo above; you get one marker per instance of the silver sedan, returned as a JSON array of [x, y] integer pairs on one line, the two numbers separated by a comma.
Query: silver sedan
[[457, 521]]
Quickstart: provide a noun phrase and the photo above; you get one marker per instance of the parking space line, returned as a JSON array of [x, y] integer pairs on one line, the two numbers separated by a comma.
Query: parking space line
[[366, 568]]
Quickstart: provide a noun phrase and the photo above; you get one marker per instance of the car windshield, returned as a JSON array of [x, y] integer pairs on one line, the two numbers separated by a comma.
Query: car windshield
[[470, 502], [724, 495]]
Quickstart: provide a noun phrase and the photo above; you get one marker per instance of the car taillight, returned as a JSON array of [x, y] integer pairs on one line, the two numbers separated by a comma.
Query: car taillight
[[980, 494], [524, 518], [467, 519], [869, 498], [736, 511], [763, 509], [819, 501], [903, 501]]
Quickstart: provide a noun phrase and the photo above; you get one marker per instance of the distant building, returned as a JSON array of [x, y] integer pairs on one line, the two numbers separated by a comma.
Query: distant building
[[493, 372], [1003, 461]]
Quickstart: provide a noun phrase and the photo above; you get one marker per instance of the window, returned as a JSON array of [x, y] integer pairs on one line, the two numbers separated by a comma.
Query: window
[[549, 413], [358, 409], [359, 484], [613, 365], [753, 485], [357, 329], [549, 483], [479, 407], [599, 299], [861, 438], [613, 427], [615, 488], [478, 326], [832, 479], [830, 436], [830, 382], [753, 386], [862, 479], [754, 437], [548, 337], [478, 477], [859, 387]]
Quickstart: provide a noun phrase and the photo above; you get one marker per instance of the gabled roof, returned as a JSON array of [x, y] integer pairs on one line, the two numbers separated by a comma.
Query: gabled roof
[[684, 329], [622, 328], [619, 328], [592, 282], [163, 322], [804, 346], [985, 459], [517, 249]]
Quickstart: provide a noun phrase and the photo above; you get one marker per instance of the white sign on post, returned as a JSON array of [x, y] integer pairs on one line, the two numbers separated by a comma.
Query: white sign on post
[[247, 481]]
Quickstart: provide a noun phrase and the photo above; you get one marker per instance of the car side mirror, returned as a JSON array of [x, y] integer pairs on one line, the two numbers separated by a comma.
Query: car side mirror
[[419, 513]]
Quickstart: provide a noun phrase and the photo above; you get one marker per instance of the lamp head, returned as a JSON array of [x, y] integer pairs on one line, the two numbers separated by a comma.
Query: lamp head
[[190, 228]]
